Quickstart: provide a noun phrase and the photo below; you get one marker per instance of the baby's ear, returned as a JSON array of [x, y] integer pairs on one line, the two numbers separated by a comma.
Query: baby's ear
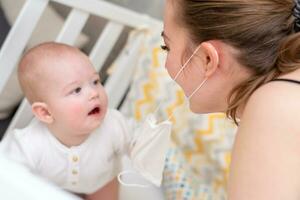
[[41, 111]]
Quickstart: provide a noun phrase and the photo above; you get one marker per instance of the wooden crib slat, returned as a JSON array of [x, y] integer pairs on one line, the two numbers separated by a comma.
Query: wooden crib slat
[[18, 37], [105, 43], [72, 26]]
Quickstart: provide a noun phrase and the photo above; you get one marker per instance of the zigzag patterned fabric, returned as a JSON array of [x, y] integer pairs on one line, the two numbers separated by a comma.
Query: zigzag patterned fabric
[[197, 162]]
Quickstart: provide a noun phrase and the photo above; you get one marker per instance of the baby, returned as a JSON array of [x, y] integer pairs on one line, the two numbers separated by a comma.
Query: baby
[[74, 141]]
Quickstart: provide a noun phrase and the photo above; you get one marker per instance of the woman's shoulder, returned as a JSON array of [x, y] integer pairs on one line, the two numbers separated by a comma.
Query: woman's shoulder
[[276, 93], [267, 145], [276, 101]]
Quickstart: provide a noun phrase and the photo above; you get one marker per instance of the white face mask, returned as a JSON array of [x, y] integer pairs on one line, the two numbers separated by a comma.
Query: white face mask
[[148, 150]]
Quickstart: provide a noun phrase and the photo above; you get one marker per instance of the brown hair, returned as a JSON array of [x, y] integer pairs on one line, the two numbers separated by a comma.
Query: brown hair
[[262, 31]]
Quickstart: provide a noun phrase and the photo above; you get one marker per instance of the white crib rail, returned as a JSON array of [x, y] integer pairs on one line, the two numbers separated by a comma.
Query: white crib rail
[[117, 84], [72, 27], [117, 17], [105, 43], [18, 37]]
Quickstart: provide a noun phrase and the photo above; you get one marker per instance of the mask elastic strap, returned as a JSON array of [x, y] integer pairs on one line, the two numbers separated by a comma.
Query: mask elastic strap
[[185, 64], [201, 84], [130, 184], [189, 97], [175, 78]]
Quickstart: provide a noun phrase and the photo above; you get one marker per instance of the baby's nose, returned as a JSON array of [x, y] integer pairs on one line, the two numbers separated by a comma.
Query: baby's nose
[[93, 94]]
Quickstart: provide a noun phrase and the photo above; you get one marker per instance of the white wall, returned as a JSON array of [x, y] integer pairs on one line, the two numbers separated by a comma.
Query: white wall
[[153, 8]]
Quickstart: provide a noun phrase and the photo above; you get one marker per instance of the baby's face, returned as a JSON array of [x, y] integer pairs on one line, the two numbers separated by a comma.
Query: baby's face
[[75, 96]]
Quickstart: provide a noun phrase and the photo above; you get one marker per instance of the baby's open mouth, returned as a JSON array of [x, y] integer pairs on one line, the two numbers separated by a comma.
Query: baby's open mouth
[[96, 110]]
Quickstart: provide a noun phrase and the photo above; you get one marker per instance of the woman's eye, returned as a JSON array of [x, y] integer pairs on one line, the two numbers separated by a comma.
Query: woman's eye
[[164, 47], [77, 90]]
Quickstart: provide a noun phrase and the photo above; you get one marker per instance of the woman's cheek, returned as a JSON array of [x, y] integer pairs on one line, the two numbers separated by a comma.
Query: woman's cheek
[[170, 68]]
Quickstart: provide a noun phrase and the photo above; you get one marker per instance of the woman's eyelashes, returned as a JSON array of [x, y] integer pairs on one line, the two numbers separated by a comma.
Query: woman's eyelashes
[[164, 47]]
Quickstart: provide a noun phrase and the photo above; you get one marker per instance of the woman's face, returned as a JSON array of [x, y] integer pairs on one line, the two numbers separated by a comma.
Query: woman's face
[[178, 43], [179, 49], [212, 96]]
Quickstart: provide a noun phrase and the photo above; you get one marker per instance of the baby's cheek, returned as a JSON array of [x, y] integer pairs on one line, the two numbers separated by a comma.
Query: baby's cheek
[[76, 112]]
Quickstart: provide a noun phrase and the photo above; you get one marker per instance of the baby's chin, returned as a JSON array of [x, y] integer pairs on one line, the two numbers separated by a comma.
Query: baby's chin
[[96, 124]]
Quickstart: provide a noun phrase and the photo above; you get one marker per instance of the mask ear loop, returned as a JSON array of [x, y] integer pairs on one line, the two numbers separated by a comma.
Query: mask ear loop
[[130, 184], [186, 63], [201, 84], [175, 78], [189, 97]]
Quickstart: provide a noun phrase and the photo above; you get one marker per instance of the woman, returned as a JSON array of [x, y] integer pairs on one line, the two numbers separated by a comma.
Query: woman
[[243, 58]]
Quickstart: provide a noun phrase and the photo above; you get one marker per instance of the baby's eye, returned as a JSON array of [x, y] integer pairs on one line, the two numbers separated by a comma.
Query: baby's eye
[[77, 90], [164, 47], [96, 82]]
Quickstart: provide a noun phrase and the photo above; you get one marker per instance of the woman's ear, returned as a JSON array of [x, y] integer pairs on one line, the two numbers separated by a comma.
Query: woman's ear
[[41, 111], [211, 58]]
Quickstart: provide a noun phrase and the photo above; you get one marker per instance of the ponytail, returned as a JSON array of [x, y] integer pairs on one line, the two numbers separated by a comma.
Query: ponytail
[[289, 54], [288, 60]]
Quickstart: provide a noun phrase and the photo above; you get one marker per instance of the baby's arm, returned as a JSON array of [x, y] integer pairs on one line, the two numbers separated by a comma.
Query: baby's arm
[[108, 192]]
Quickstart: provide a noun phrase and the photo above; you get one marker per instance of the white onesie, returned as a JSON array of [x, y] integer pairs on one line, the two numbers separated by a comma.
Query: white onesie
[[80, 169]]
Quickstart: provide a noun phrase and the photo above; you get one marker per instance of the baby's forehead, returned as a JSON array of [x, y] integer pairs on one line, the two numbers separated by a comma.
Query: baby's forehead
[[60, 54], [53, 51], [56, 58], [67, 67]]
